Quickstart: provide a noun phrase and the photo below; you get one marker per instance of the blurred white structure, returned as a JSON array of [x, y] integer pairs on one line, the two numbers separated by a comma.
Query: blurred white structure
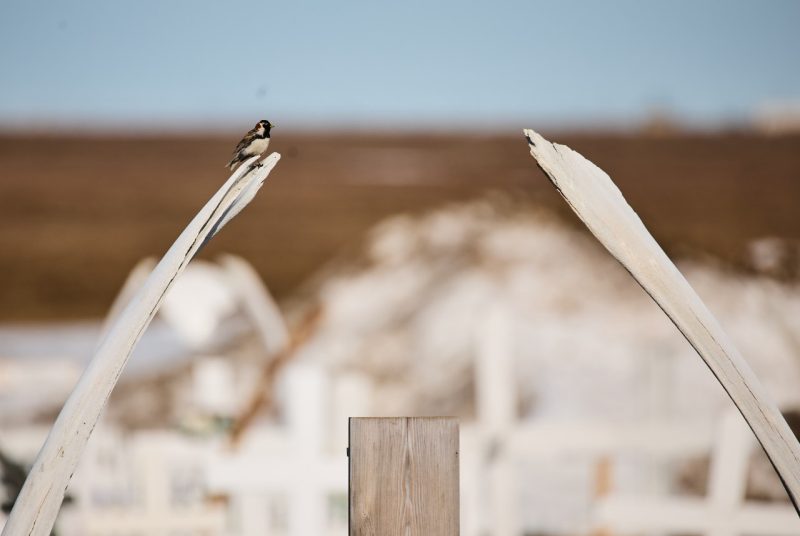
[[496, 491], [288, 479], [208, 293], [579, 401], [54, 379], [291, 479], [723, 513], [230, 327], [301, 465]]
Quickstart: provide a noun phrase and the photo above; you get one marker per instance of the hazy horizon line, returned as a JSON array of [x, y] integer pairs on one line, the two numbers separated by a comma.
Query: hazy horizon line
[[665, 123]]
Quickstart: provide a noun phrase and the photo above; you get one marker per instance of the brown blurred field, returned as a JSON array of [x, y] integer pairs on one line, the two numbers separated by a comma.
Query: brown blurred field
[[77, 213]]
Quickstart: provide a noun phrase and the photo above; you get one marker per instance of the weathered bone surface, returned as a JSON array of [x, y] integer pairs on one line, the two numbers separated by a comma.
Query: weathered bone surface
[[600, 205], [40, 499]]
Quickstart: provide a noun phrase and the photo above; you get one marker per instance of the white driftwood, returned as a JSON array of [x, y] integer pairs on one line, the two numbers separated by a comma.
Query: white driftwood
[[599, 203], [40, 499]]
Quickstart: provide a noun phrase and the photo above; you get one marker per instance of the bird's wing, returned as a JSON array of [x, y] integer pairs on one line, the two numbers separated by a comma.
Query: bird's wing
[[247, 140]]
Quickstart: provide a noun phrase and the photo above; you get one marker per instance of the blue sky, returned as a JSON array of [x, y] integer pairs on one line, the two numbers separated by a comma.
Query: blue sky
[[418, 64]]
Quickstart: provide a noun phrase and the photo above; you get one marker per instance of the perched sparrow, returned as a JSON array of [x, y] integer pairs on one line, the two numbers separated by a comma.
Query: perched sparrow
[[254, 143]]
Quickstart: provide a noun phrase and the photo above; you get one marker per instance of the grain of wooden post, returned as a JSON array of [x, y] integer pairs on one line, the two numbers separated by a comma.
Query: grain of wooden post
[[404, 476]]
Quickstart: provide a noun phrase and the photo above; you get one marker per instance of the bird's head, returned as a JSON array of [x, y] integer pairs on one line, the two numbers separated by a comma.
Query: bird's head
[[264, 126]]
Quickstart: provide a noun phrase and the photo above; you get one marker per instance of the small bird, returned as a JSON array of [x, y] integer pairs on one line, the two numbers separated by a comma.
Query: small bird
[[254, 143]]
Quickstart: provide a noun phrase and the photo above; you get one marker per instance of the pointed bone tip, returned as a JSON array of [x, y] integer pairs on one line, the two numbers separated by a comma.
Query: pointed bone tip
[[531, 136], [265, 166]]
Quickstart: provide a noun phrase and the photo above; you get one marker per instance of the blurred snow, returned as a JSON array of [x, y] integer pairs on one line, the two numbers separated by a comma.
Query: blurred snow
[[587, 341]]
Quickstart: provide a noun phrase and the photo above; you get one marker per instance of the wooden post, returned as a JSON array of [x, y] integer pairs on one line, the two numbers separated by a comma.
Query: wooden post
[[404, 476]]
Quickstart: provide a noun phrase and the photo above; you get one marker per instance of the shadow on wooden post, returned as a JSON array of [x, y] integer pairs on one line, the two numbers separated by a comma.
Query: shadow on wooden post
[[404, 476]]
